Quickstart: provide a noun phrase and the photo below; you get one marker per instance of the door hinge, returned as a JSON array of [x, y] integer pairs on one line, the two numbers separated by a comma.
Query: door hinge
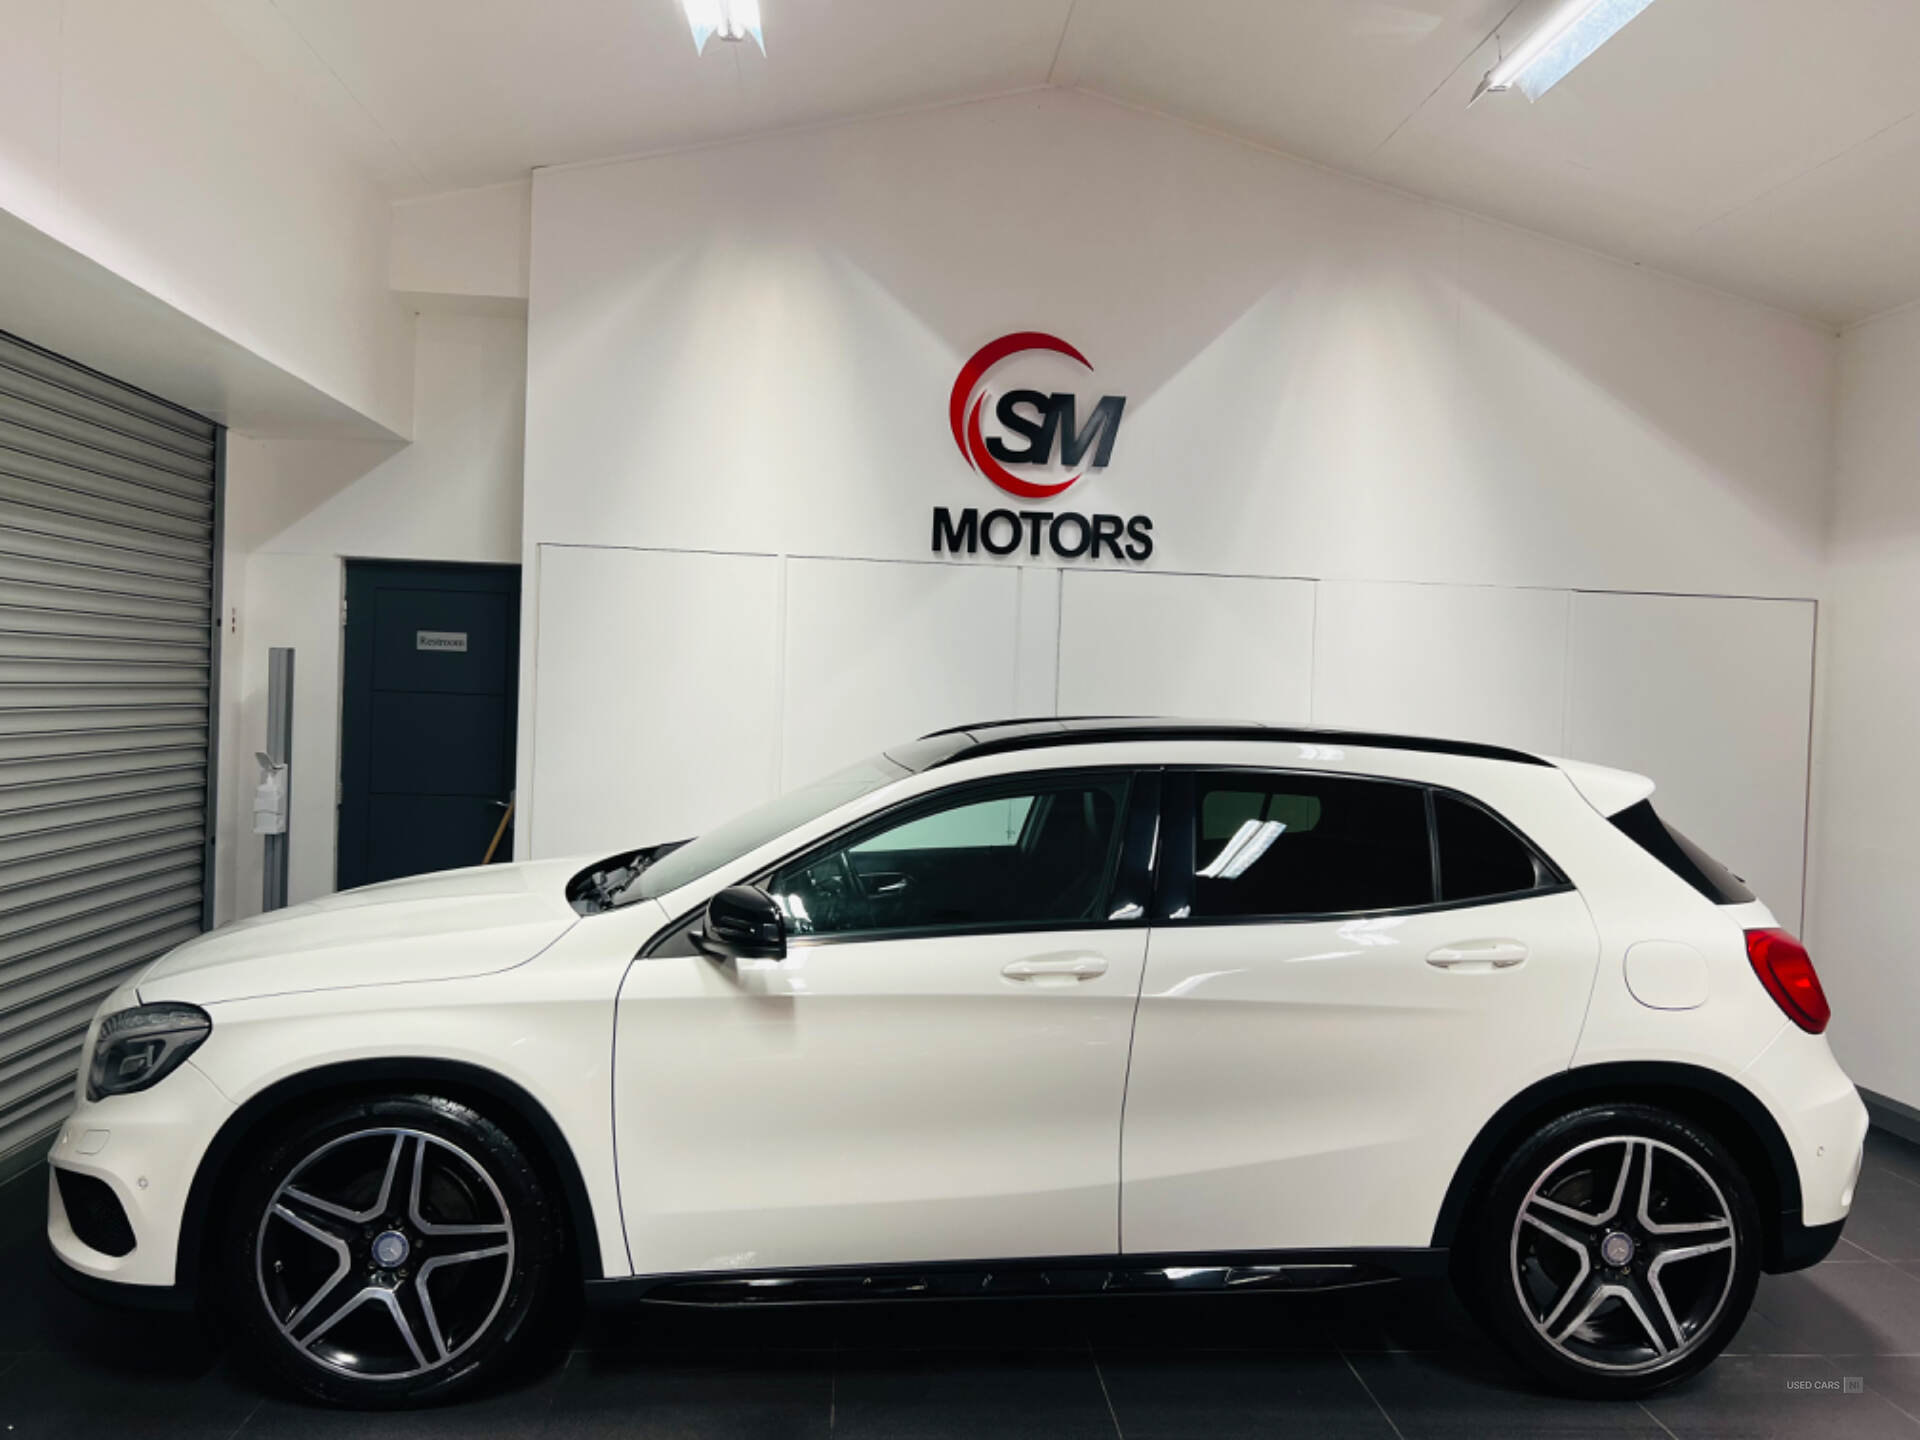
[[339, 792], [343, 612]]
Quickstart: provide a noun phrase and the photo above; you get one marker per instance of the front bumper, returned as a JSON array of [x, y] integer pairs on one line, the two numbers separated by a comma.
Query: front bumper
[[145, 1148]]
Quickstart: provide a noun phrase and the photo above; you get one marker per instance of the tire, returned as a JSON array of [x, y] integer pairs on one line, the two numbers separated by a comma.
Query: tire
[[353, 1291], [1596, 1293]]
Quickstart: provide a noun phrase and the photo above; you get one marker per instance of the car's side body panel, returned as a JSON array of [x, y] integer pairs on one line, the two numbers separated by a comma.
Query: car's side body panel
[[545, 1025], [1310, 1085], [874, 1102], [897, 1100]]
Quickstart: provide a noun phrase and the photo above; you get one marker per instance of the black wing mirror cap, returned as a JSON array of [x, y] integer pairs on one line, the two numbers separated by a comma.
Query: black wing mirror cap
[[743, 923]]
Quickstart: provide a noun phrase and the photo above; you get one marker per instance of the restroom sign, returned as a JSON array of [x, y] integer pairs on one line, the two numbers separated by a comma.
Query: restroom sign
[[447, 642]]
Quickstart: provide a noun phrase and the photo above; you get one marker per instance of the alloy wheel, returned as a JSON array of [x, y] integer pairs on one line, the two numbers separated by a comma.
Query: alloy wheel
[[385, 1253], [1623, 1254]]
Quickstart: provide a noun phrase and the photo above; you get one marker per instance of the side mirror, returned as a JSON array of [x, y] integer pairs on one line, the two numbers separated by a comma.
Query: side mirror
[[742, 923]]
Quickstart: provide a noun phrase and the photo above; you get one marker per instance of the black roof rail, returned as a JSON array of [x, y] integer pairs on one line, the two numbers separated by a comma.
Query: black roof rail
[[998, 737]]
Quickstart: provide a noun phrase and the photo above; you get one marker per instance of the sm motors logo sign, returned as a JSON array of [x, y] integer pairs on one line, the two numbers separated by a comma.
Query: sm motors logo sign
[[1034, 426]]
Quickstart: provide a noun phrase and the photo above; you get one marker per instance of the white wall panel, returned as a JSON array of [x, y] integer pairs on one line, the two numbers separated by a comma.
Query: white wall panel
[[1037, 684], [1468, 661], [1207, 646], [1712, 698], [880, 651], [654, 715]]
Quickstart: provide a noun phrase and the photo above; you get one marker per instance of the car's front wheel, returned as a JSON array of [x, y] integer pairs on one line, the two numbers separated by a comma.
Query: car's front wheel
[[1616, 1251], [390, 1251]]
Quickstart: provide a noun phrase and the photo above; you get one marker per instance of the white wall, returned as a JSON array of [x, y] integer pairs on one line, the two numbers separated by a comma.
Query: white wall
[[1407, 469], [296, 510], [164, 144], [1866, 850]]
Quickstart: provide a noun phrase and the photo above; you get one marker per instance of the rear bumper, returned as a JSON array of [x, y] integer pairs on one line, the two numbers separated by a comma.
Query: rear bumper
[[1824, 1123]]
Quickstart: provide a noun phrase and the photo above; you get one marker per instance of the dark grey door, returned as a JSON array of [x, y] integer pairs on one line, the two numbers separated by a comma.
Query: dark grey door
[[427, 740]]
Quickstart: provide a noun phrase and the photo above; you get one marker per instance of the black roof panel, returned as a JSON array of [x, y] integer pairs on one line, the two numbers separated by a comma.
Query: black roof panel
[[997, 737]]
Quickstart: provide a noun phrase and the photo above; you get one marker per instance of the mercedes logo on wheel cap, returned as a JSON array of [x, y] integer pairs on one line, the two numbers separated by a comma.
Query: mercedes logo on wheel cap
[[390, 1249]]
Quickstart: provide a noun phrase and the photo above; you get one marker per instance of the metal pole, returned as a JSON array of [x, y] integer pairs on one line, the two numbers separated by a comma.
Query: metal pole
[[280, 751]]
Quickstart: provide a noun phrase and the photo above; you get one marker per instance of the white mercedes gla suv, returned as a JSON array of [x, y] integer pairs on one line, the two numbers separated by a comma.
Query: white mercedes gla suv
[[1088, 1005]]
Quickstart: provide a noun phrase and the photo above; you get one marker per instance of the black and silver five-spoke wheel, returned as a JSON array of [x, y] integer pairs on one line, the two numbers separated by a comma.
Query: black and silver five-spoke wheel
[[391, 1251], [1616, 1250]]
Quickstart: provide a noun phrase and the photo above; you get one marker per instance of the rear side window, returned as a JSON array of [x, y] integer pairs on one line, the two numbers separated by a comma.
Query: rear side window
[[1480, 857], [1646, 829], [1307, 845]]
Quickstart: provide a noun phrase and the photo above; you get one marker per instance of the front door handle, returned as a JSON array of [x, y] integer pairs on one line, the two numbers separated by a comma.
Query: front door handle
[[1472, 955], [1065, 969]]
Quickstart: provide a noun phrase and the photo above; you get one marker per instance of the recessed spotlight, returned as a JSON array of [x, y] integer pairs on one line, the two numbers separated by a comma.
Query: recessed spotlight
[[729, 19], [1566, 37]]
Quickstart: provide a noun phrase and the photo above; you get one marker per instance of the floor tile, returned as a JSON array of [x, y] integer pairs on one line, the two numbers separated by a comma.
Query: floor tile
[[518, 1412], [1785, 1397], [107, 1395], [1226, 1395], [1890, 1154], [1886, 1217], [930, 1395], [1834, 1310], [1484, 1397], [1895, 1378], [638, 1396]]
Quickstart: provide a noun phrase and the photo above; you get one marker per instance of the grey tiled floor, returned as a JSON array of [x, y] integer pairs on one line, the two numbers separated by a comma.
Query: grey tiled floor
[[1397, 1361]]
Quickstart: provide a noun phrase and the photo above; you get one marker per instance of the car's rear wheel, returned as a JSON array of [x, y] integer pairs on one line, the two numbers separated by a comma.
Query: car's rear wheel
[[391, 1251], [1616, 1251]]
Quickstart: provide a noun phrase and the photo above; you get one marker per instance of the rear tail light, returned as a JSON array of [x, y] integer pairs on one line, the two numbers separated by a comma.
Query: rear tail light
[[1785, 968]]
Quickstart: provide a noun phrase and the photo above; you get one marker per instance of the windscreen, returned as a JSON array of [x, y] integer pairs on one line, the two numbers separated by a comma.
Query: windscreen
[[744, 833]]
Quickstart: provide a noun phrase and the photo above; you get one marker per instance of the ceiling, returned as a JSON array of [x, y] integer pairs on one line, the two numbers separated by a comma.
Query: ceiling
[[1767, 147]]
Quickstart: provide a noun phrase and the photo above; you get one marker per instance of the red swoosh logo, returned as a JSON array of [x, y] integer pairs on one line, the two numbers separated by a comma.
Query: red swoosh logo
[[966, 423]]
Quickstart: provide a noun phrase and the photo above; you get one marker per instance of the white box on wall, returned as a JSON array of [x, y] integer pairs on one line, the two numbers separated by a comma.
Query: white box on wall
[[1712, 697], [652, 714], [1474, 662], [1218, 647], [878, 651]]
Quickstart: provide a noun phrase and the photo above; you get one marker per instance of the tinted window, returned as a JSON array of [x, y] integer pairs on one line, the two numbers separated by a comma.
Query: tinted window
[[1308, 845], [1041, 853], [1480, 856], [766, 822], [1681, 855]]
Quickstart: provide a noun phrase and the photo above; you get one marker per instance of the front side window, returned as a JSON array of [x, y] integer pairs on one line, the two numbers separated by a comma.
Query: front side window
[[1287, 845], [1039, 852]]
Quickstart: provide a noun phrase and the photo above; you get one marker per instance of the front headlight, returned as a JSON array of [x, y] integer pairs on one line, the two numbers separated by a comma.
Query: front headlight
[[142, 1046]]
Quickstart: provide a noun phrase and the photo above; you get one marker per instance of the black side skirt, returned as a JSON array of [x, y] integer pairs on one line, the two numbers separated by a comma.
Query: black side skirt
[[1077, 1275]]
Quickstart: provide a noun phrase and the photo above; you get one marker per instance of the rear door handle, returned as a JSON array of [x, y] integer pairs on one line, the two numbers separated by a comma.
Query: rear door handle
[[1065, 969], [1472, 955]]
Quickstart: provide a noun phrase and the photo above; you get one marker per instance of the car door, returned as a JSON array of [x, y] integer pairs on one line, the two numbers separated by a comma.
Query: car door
[[936, 1069], [1346, 977]]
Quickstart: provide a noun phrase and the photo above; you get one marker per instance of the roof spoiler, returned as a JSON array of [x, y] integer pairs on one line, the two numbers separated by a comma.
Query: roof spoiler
[[1608, 790]]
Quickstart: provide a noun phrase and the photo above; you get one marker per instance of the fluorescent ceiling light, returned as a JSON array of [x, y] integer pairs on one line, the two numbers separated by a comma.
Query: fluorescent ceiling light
[[1569, 35], [729, 19]]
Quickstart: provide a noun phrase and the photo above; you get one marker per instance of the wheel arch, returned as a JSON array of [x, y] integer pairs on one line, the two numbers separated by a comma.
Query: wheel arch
[[503, 1101], [1733, 1113]]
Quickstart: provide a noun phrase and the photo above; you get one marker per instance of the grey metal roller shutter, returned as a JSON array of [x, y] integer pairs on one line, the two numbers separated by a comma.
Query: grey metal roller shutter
[[109, 530]]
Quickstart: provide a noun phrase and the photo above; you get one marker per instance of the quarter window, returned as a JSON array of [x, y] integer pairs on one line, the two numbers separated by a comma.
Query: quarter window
[[1479, 856], [1041, 853], [1308, 845]]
